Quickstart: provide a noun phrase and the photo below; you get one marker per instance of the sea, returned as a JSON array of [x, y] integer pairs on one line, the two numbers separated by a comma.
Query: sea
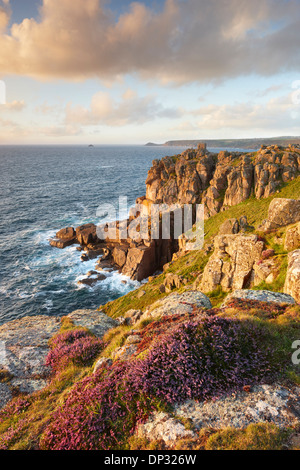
[[46, 188]]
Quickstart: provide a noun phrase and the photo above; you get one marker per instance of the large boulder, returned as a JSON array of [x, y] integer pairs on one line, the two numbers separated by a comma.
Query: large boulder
[[292, 282], [23, 350], [140, 262], [282, 212], [63, 238], [66, 233], [231, 264], [95, 321], [259, 296], [119, 255], [230, 226], [178, 304], [86, 234]]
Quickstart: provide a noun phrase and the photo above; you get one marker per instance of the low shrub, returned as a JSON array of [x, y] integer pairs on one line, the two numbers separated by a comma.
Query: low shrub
[[199, 359], [75, 346]]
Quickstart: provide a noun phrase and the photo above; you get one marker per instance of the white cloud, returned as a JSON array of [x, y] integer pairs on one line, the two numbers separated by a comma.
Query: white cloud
[[130, 109], [194, 40], [13, 106], [278, 114]]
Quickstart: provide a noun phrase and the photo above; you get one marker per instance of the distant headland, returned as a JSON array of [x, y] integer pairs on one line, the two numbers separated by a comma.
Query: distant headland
[[231, 143]]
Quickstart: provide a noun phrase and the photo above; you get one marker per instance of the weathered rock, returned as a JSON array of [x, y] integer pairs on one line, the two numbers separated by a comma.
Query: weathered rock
[[125, 352], [92, 281], [230, 226], [102, 363], [259, 295], [5, 394], [23, 350], [292, 238], [119, 255], [263, 404], [231, 264], [65, 237], [173, 281], [161, 426], [265, 271], [292, 282], [66, 233], [60, 243], [220, 181], [178, 304], [97, 322], [140, 262], [86, 234], [132, 316], [282, 212]]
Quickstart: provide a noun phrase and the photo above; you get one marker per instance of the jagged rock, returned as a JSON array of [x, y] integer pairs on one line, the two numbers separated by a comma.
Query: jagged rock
[[161, 426], [292, 282], [220, 181], [282, 212], [259, 295], [173, 281], [91, 281], [231, 264], [292, 238], [178, 304], [140, 262], [86, 234], [262, 404]]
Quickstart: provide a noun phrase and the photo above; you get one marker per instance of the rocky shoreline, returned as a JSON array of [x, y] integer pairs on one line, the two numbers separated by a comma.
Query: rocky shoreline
[[255, 271]]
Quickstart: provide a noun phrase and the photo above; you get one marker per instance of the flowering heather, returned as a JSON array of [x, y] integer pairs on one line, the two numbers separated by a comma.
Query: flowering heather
[[15, 408], [198, 359], [77, 347]]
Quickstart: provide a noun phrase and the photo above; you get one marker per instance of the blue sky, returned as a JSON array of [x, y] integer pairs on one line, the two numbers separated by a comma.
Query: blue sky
[[92, 71]]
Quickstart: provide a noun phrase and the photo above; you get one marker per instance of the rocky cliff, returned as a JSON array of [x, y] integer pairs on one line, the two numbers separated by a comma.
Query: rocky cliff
[[223, 180], [205, 355]]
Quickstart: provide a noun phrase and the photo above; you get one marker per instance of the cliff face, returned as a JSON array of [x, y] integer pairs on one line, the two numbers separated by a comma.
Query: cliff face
[[223, 180]]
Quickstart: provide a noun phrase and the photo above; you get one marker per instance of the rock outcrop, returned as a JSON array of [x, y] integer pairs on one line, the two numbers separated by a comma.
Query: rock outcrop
[[259, 296], [282, 212], [292, 282], [221, 181], [24, 347], [232, 262], [292, 238]]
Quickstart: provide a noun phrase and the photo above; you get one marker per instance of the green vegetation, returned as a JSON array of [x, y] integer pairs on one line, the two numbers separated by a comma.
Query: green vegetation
[[255, 437]]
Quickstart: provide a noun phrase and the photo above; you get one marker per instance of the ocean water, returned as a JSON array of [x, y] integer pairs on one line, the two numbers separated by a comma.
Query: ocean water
[[46, 188]]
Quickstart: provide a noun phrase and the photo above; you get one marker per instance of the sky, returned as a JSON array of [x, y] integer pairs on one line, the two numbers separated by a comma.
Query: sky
[[121, 72]]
